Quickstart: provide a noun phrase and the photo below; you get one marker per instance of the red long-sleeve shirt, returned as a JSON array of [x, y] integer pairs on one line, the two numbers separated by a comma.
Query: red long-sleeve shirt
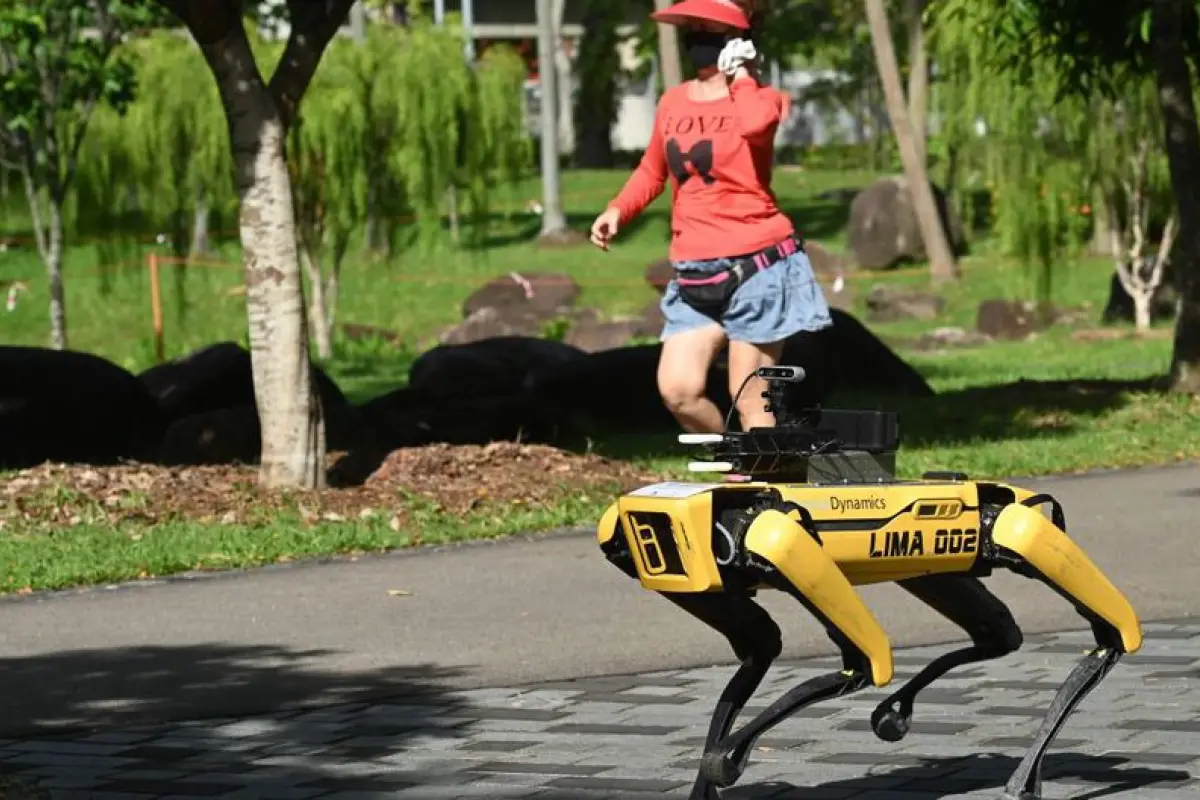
[[718, 156]]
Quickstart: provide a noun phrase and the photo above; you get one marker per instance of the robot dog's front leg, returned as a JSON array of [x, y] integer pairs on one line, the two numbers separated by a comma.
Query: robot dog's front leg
[[778, 551], [1025, 541], [749, 629], [966, 602], [784, 555], [755, 639]]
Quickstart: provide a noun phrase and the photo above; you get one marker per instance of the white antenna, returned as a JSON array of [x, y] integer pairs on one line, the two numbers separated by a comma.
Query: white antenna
[[710, 466], [700, 438]]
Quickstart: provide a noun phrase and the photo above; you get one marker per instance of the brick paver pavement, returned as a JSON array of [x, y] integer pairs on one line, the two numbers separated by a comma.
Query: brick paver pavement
[[1137, 736]]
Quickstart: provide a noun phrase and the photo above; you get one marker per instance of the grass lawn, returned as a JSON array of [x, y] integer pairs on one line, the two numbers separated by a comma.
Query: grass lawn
[[983, 421]]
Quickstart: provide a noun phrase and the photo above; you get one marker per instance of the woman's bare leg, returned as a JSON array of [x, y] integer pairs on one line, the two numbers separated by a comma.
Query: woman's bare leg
[[744, 358], [683, 375]]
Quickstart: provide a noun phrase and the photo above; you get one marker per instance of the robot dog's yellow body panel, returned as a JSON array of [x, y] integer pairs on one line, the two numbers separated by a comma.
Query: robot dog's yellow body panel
[[863, 535], [868, 534], [874, 534]]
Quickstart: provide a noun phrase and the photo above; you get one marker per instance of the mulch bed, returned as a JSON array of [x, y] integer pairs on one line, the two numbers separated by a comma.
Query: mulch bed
[[451, 479]]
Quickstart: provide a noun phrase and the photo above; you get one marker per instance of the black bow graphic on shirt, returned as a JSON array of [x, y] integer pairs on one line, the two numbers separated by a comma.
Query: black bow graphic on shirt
[[700, 157]]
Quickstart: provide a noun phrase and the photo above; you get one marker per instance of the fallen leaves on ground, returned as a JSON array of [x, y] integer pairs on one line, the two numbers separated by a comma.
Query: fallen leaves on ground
[[450, 479]]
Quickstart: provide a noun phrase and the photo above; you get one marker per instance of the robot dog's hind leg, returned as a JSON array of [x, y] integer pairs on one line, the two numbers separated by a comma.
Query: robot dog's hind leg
[[1026, 542], [1026, 782], [966, 602]]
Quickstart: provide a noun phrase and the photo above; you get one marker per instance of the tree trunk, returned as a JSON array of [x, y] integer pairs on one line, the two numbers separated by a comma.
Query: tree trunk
[[877, 153], [563, 74], [1141, 310], [318, 320], [330, 291], [942, 266], [668, 50], [373, 235], [594, 106], [452, 204], [554, 222], [290, 415], [1183, 155], [1101, 224], [199, 246], [54, 264], [951, 186], [48, 236], [918, 78]]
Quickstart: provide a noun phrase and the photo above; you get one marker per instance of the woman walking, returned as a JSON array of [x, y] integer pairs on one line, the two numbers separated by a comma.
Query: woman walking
[[742, 276]]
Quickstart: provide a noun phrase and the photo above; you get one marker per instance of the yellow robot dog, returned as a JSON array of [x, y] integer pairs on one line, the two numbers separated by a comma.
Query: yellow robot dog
[[820, 511]]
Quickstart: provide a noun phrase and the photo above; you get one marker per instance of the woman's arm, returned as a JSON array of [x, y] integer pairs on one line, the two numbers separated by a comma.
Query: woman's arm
[[647, 181], [759, 108]]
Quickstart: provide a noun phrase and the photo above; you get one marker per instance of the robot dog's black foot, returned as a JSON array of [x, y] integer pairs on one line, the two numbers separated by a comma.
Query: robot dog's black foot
[[965, 601], [723, 765], [1029, 544], [1026, 781], [755, 639]]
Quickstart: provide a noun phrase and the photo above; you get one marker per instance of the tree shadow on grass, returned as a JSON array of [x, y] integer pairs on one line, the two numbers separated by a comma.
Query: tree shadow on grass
[[1018, 410], [814, 219], [366, 374], [821, 219], [504, 231]]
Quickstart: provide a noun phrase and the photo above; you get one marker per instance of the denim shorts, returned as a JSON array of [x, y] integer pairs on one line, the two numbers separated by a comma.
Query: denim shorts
[[773, 304]]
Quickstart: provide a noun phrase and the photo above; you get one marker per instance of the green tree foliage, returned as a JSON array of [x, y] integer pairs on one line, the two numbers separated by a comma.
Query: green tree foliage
[[1093, 46], [1130, 63], [599, 70], [59, 62], [383, 128], [1011, 130], [386, 126], [162, 166], [405, 110]]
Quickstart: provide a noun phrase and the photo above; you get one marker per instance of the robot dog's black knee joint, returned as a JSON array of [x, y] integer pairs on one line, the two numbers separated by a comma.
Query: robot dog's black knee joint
[[763, 642], [1009, 639], [1000, 637]]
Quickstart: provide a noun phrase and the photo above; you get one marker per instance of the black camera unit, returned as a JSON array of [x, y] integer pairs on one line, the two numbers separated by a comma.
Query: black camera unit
[[813, 445]]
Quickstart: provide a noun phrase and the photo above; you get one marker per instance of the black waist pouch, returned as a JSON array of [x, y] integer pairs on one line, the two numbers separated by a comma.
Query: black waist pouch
[[711, 293]]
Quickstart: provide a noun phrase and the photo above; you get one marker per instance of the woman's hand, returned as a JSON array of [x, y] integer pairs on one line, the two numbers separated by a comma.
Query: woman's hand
[[736, 55], [605, 227]]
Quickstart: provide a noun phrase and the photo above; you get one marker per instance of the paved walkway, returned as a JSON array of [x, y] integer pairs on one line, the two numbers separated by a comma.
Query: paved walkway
[[326, 650], [639, 736]]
